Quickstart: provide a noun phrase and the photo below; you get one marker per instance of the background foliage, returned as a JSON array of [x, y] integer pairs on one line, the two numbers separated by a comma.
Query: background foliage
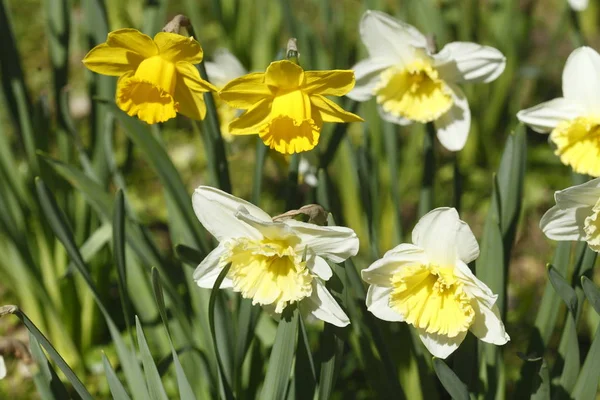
[[98, 238]]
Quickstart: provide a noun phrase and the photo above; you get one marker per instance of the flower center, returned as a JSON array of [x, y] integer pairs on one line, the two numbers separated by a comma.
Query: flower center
[[291, 129], [433, 299], [268, 271], [578, 144], [414, 92], [591, 227]]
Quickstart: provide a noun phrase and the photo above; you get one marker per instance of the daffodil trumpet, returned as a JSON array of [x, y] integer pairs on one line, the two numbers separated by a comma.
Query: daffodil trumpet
[[157, 77], [274, 263], [429, 285], [411, 83]]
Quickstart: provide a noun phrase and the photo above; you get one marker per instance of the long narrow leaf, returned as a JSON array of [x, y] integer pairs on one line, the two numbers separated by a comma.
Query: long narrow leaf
[[155, 386]]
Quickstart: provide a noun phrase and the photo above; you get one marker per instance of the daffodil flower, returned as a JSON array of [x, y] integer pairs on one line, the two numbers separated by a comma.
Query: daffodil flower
[[274, 263], [428, 284], [157, 77], [224, 68], [574, 119], [576, 215], [287, 106], [411, 84]]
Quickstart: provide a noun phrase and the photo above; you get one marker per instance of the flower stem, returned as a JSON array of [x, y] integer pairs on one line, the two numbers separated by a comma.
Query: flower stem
[[426, 195]]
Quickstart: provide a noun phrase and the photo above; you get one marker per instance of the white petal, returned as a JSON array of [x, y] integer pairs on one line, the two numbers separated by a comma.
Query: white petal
[[474, 286], [469, 62], [546, 116], [586, 194], [2, 368], [444, 237], [224, 68], [319, 267], [578, 5], [581, 77], [381, 271], [209, 269], [453, 126], [441, 346], [323, 306], [394, 119], [334, 243], [269, 229], [386, 37], [216, 211], [367, 74], [378, 303], [487, 325], [565, 223]]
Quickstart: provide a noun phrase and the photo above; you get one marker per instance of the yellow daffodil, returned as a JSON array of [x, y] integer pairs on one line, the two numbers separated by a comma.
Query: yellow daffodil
[[428, 284], [286, 106], [274, 263], [576, 215], [574, 119], [157, 77], [222, 69], [412, 84]]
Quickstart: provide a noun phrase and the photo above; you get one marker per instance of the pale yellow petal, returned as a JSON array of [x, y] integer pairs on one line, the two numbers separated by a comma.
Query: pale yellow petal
[[331, 112], [284, 75], [328, 83], [176, 48], [246, 91], [253, 120]]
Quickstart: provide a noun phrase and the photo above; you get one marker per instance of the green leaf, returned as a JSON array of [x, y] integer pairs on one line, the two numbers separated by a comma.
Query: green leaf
[[155, 386], [542, 383], [427, 178], [586, 386], [330, 357], [591, 292], [304, 380], [225, 383], [189, 255], [54, 355], [454, 386], [116, 387], [564, 290], [282, 356], [119, 255], [48, 384]]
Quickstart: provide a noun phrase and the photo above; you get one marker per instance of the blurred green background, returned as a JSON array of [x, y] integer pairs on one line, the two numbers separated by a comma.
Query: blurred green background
[[48, 108]]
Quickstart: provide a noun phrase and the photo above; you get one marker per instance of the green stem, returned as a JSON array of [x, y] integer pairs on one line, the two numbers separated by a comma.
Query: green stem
[[292, 183]]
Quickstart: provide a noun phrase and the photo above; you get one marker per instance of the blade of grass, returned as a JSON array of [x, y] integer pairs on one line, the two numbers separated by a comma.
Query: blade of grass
[[450, 381], [48, 384]]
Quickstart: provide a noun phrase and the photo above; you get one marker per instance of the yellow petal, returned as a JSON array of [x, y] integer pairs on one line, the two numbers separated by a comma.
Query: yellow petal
[[123, 51], [133, 40], [112, 61], [289, 136], [253, 120], [189, 91], [329, 83], [331, 112], [284, 75], [176, 48], [245, 91]]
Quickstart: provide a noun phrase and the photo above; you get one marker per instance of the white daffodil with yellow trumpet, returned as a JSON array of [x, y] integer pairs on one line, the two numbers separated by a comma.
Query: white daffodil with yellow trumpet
[[573, 120], [428, 285], [413, 84], [575, 215], [274, 263]]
